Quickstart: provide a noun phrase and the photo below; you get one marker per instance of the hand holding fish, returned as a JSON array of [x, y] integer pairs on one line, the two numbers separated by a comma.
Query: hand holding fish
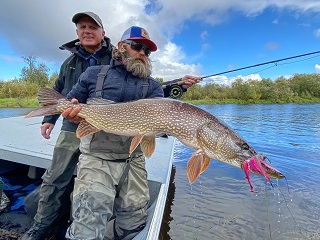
[[145, 119], [71, 113]]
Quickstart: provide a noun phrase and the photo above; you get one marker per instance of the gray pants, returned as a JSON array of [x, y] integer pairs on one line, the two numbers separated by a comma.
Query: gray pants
[[94, 202], [57, 177]]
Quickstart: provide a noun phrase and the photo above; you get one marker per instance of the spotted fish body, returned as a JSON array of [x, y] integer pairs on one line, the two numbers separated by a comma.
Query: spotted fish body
[[145, 119]]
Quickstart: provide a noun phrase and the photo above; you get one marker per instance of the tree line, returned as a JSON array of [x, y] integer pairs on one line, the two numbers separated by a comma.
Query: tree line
[[298, 88], [33, 76]]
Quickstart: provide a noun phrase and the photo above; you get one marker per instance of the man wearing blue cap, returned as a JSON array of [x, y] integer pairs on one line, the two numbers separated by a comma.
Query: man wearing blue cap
[[91, 48], [104, 162]]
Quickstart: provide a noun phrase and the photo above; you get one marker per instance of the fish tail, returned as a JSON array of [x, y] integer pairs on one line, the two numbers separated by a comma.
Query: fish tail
[[43, 111], [48, 99]]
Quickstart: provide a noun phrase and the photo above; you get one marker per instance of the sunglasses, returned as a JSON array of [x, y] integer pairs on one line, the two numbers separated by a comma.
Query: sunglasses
[[138, 46]]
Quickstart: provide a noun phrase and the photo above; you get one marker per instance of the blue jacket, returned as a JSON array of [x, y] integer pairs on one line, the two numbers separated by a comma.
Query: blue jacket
[[119, 85]]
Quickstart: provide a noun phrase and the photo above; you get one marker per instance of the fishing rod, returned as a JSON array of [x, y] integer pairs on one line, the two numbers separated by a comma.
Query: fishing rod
[[176, 90]]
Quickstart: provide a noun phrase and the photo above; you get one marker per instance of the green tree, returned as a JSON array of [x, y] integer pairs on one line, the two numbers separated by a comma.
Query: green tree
[[36, 73], [53, 79], [283, 91]]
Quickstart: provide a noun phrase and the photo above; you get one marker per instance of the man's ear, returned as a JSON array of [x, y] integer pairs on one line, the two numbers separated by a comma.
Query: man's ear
[[121, 47]]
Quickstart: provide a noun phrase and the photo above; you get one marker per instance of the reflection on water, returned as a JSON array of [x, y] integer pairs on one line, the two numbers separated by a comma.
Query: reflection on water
[[219, 205], [14, 112]]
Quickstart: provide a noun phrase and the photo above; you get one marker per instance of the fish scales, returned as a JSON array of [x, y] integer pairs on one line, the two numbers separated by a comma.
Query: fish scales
[[145, 119]]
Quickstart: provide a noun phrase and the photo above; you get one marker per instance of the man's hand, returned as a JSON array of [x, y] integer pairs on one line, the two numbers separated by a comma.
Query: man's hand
[[72, 113], [189, 81], [46, 129]]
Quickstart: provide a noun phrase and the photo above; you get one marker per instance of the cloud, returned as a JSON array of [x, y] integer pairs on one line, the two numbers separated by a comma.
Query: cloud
[[317, 68], [224, 80], [204, 35], [168, 66], [317, 33], [272, 46], [39, 29], [11, 59]]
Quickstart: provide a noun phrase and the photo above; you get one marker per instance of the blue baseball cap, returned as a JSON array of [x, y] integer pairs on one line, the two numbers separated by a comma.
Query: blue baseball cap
[[141, 35]]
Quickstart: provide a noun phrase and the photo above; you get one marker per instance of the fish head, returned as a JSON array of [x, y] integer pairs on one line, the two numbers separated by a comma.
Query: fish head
[[221, 143]]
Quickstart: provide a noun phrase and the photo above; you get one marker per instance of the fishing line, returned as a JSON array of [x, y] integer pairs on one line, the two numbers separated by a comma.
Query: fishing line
[[264, 63], [287, 205], [267, 207], [281, 64], [175, 90]]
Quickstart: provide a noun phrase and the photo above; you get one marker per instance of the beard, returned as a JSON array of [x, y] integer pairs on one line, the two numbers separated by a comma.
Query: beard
[[139, 66]]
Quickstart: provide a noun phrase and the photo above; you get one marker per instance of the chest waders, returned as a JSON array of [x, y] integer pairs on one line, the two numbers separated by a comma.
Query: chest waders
[[101, 76]]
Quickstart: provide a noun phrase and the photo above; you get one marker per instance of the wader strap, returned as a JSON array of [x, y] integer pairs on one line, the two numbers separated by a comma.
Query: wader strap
[[123, 177], [100, 79], [145, 86]]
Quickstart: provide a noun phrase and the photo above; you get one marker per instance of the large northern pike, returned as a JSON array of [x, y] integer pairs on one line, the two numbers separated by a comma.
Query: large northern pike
[[145, 119]]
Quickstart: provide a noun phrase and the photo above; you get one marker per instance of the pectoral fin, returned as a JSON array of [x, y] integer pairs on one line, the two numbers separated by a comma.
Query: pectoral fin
[[205, 163], [85, 128], [197, 164], [135, 143], [147, 144]]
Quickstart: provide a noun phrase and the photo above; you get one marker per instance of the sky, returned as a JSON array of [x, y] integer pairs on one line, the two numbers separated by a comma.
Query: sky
[[199, 38]]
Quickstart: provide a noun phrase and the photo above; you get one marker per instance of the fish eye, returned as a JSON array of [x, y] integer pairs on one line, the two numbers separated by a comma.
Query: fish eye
[[245, 146]]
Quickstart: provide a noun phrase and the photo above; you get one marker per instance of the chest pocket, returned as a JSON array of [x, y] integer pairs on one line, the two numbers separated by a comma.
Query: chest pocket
[[103, 73]]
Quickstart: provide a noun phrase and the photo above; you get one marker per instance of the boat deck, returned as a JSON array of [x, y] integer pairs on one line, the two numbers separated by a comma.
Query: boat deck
[[22, 143]]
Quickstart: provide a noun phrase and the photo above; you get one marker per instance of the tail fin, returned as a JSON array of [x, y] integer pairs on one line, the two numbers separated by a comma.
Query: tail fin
[[48, 99], [43, 111]]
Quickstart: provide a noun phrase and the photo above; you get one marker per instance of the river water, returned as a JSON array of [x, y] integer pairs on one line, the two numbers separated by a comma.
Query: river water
[[219, 205]]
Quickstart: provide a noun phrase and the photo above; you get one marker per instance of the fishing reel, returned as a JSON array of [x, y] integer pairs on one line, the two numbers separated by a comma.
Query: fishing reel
[[175, 91]]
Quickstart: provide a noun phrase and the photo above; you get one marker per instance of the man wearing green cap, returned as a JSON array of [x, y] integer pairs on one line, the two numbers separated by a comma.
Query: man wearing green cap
[[91, 48]]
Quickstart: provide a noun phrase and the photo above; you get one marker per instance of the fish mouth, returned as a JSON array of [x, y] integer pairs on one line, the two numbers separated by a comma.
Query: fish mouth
[[257, 165]]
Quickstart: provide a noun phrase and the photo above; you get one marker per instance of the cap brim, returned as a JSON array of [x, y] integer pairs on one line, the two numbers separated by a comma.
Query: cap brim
[[147, 42], [76, 18]]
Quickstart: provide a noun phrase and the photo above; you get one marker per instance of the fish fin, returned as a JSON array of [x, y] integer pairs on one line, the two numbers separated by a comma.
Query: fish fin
[[148, 144], [48, 99], [99, 101], [194, 167], [205, 163], [49, 96], [85, 128], [43, 111], [135, 143]]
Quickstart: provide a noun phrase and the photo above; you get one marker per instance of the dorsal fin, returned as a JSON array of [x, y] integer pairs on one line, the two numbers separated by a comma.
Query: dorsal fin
[[48, 96], [99, 101]]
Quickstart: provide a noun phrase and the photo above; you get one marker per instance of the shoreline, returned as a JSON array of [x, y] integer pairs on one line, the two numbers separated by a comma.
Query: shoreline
[[33, 103]]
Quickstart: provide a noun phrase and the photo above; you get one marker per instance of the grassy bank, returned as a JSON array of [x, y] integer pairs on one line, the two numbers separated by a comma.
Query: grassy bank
[[236, 101], [19, 102]]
